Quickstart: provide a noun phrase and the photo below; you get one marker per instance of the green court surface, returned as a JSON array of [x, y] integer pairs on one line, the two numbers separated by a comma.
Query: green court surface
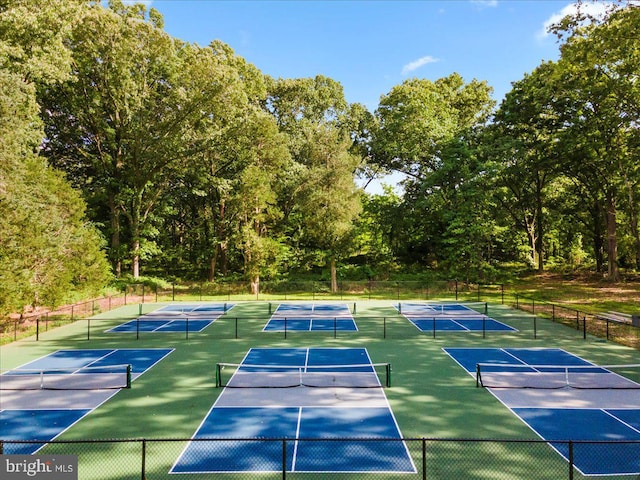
[[430, 396]]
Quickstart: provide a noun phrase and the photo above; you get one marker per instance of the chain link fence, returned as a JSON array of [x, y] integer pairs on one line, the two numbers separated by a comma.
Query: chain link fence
[[335, 458]]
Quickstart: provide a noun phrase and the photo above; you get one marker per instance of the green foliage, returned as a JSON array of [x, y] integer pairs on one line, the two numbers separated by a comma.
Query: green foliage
[[49, 253], [194, 164]]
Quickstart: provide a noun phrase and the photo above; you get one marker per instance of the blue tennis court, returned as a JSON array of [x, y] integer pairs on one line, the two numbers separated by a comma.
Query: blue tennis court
[[310, 324], [311, 317], [313, 420], [450, 317], [561, 396], [176, 318], [312, 309], [44, 413]]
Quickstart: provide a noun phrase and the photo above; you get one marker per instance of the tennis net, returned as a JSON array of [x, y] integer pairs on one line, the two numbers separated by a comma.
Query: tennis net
[[286, 376], [458, 309], [558, 376], [84, 378]]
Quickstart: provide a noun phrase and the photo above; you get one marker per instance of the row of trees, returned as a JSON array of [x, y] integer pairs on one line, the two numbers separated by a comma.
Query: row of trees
[[189, 162]]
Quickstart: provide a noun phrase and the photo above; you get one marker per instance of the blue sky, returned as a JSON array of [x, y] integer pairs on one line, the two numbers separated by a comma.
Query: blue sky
[[371, 45]]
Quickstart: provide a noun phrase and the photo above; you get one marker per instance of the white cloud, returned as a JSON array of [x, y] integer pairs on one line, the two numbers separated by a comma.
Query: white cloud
[[422, 61], [594, 9]]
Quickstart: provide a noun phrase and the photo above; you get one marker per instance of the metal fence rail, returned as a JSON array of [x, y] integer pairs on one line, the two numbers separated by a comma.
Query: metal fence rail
[[431, 458]]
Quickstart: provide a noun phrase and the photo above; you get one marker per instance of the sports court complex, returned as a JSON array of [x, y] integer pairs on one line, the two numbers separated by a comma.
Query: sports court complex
[[324, 389]]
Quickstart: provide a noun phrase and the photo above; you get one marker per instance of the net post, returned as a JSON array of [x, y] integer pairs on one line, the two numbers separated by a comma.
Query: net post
[[484, 328], [384, 327], [285, 328], [388, 372], [128, 376], [486, 308], [89, 328], [218, 376], [400, 308], [224, 309], [477, 375], [354, 308], [584, 327], [434, 326], [138, 328], [335, 327], [186, 328], [38, 329], [535, 328], [269, 308]]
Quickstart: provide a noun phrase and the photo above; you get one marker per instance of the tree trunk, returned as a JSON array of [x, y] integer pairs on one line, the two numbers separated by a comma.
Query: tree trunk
[[135, 220], [633, 220], [255, 284], [612, 242], [598, 246], [135, 259], [115, 238], [334, 275], [531, 234], [539, 241], [212, 267]]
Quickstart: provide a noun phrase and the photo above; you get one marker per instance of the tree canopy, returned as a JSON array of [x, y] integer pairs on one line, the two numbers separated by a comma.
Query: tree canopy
[[128, 151]]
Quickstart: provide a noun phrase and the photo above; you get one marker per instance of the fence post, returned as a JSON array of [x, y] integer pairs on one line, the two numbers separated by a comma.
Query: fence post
[[424, 459], [144, 459], [284, 458], [570, 460]]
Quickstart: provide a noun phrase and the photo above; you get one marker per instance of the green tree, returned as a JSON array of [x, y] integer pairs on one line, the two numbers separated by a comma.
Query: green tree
[[424, 130], [136, 108], [48, 251], [599, 67], [319, 197], [522, 137]]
